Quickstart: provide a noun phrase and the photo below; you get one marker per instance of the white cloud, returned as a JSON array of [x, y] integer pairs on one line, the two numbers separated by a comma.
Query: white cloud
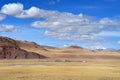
[[67, 36], [17, 10], [75, 23], [32, 12], [8, 28], [63, 25], [2, 17], [12, 9], [76, 27]]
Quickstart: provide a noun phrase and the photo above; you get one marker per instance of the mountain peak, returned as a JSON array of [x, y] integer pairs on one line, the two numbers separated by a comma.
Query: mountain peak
[[5, 41], [9, 49], [75, 47]]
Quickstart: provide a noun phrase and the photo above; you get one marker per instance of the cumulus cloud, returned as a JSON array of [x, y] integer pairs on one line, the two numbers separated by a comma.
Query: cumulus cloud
[[12, 9], [63, 25], [17, 10], [2, 17], [8, 28]]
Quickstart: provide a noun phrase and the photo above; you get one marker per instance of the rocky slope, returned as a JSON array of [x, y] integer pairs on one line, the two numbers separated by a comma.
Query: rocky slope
[[9, 49]]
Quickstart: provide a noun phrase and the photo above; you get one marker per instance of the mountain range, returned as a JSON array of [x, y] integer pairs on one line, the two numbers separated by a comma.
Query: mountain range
[[17, 49]]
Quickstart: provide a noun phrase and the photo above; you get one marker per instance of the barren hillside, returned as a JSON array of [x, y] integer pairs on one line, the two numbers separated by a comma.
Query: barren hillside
[[9, 49]]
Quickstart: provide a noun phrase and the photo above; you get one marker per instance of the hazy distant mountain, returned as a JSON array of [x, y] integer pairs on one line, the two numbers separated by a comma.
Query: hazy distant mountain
[[109, 49]]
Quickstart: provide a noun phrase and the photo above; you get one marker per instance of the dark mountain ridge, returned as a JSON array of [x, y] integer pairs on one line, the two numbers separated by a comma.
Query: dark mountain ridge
[[9, 49]]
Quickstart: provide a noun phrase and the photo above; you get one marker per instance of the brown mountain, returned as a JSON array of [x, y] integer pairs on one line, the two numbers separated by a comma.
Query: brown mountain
[[75, 47], [16, 49], [9, 49], [72, 52]]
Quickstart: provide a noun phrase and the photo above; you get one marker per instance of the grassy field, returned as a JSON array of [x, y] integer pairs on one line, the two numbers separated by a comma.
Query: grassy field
[[37, 70]]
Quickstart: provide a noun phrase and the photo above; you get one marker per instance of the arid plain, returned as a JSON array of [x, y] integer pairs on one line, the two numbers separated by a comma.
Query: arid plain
[[70, 63]]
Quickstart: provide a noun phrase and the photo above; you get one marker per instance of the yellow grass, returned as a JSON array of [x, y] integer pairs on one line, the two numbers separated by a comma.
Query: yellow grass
[[36, 70]]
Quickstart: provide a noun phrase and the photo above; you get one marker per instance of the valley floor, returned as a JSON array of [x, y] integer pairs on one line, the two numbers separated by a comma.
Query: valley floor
[[37, 70]]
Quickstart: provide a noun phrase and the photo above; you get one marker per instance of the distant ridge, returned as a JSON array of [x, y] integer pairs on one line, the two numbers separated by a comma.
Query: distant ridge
[[17, 49], [9, 49], [75, 47]]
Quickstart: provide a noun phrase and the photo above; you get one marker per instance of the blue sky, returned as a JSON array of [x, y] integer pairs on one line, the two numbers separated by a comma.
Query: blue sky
[[88, 23]]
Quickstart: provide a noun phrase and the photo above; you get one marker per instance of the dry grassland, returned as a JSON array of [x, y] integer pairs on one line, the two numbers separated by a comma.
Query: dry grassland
[[37, 70]]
